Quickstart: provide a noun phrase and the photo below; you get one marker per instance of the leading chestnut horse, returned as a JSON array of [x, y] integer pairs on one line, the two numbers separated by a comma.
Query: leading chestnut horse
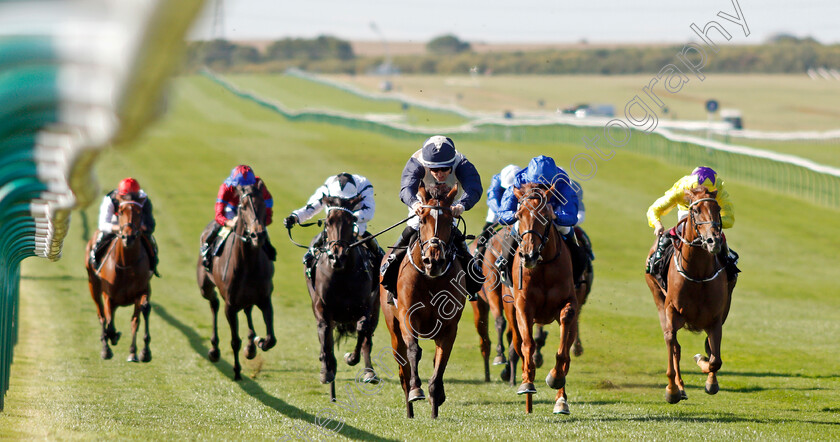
[[543, 291], [344, 293], [698, 295], [243, 275], [123, 279], [430, 298]]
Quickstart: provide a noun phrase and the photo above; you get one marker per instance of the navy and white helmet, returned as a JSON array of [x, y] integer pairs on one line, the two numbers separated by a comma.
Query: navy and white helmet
[[509, 174], [438, 152], [343, 186]]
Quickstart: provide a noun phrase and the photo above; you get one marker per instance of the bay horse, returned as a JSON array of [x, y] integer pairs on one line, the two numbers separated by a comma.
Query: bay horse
[[698, 295], [430, 298], [122, 279], [543, 291], [243, 274], [344, 296]]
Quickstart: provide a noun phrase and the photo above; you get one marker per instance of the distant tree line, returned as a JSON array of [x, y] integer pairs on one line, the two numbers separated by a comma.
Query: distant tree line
[[448, 55]]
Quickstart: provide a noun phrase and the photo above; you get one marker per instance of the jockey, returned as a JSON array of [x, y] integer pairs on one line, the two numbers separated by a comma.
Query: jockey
[[227, 203], [675, 197], [346, 186], [500, 182], [109, 223], [564, 201], [437, 162]]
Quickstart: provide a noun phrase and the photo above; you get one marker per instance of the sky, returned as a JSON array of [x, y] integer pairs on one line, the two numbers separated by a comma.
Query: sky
[[554, 21]]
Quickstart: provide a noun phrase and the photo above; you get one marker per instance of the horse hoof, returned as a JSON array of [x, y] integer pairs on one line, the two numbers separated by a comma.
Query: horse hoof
[[416, 394], [327, 377], [526, 387], [683, 396], [116, 338], [555, 383], [370, 378], [250, 352], [267, 344], [213, 355], [672, 398], [505, 374], [561, 407], [107, 354], [538, 360], [499, 360], [577, 349], [698, 357], [237, 377], [132, 358], [145, 355], [351, 359], [712, 388]]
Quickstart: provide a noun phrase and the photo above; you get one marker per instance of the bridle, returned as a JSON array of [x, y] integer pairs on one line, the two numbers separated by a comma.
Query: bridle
[[697, 242], [435, 241], [347, 245], [246, 203], [134, 223], [543, 237]]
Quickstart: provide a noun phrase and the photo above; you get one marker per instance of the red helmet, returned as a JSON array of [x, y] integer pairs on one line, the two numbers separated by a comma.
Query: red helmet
[[128, 185]]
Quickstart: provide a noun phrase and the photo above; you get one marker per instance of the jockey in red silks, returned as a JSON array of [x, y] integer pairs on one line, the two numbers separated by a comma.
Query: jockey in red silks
[[227, 203], [109, 222]]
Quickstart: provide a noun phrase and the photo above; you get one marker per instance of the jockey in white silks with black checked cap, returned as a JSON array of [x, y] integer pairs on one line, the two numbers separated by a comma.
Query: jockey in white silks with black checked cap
[[345, 186], [437, 162]]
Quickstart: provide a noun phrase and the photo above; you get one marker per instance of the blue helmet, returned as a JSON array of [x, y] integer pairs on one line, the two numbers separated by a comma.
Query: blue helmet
[[438, 152]]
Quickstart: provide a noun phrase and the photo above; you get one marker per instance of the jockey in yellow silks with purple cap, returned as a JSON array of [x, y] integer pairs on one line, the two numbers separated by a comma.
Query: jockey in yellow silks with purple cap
[[675, 197]]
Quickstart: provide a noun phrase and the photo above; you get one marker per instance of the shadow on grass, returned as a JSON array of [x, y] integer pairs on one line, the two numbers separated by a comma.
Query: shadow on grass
[[256, 391], [53, 278], [714, 419], [753, 374]]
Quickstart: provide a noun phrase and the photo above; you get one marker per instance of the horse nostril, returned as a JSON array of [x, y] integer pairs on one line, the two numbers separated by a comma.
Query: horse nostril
[[427, 261]]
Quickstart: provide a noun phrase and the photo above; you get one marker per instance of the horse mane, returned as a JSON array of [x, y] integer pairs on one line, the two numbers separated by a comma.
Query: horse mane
[[439, 191], [131, 197]]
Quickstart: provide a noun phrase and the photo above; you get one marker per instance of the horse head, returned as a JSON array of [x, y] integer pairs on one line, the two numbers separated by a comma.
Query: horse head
[[704, 224], [250, 223], [130, 215], [339, 228], [436, 224], [535, 216]]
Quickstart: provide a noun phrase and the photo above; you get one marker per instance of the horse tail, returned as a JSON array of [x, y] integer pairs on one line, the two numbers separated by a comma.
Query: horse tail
[[344, 331]]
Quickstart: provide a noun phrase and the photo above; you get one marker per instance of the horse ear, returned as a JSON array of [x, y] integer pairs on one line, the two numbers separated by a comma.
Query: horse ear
[[517, 193], [421, 191], [355, 200], [713, 194], [688, 196], [451, 195]]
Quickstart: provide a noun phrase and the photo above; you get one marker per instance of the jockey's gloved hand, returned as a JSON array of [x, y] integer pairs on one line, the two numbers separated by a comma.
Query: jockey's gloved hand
[[457, 210], [290, 221]]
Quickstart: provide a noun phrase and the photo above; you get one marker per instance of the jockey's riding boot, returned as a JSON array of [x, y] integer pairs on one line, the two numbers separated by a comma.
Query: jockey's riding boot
[[578, 256], [152, 250], [374, 252], [483, 239], [309, 260], [656, 258], [392, 263], [269, 249], [475, 274], [207, 247], [585, 242], [504, 262], [103, 240], [729, 259]]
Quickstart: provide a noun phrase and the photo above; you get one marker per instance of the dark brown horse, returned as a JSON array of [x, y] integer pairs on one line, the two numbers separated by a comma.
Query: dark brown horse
[[430, 299], [543, 292], [344, 296], [243, 275], [123, 279], [698, 294]]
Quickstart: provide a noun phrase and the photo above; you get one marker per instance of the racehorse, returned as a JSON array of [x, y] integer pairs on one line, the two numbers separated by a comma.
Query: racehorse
[[343, 292], [698, 295], [430, 296], [582, 291], [543, 291], [122, 279], [242, 273]]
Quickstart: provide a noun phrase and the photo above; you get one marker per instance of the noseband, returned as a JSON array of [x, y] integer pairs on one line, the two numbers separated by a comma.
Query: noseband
[[435, 241], [123, 226], [698, 239]]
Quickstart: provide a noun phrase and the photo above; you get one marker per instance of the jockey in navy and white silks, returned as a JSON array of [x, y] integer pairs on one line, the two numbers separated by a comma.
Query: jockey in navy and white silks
[[346, 186], [563, 200], [498, 184], [437, 162]]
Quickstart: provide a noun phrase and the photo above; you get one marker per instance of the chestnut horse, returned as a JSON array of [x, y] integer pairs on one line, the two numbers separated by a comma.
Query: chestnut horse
[[123, 279], [543, 291], [243, 275], [344, 296], [430, 297], [698, 295]]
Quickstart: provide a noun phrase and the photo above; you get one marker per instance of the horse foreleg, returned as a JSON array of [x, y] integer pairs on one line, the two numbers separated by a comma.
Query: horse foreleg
[[714, 362], [268, 317], [501, 324], [539, 339], [135, 324], [352, 358], [443, 349], [327, 357], [514, 349], [214, 354], [557, 376], [146, 308], [370, 376], [110, 329], [414, 353], [480, 314], [235, 341], [525, 323], [675, 391], [250, 347]]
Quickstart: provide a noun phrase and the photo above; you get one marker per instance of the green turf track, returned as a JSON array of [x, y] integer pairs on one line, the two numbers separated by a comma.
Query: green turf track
[[781, 372]]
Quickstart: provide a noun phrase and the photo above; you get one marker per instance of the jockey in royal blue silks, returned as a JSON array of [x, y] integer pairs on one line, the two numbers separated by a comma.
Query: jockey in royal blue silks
[[498, 184], [563, 200], [437, 162]]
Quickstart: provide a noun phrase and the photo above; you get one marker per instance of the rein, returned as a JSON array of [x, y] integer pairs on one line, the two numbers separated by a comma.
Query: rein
[[696, 242]]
